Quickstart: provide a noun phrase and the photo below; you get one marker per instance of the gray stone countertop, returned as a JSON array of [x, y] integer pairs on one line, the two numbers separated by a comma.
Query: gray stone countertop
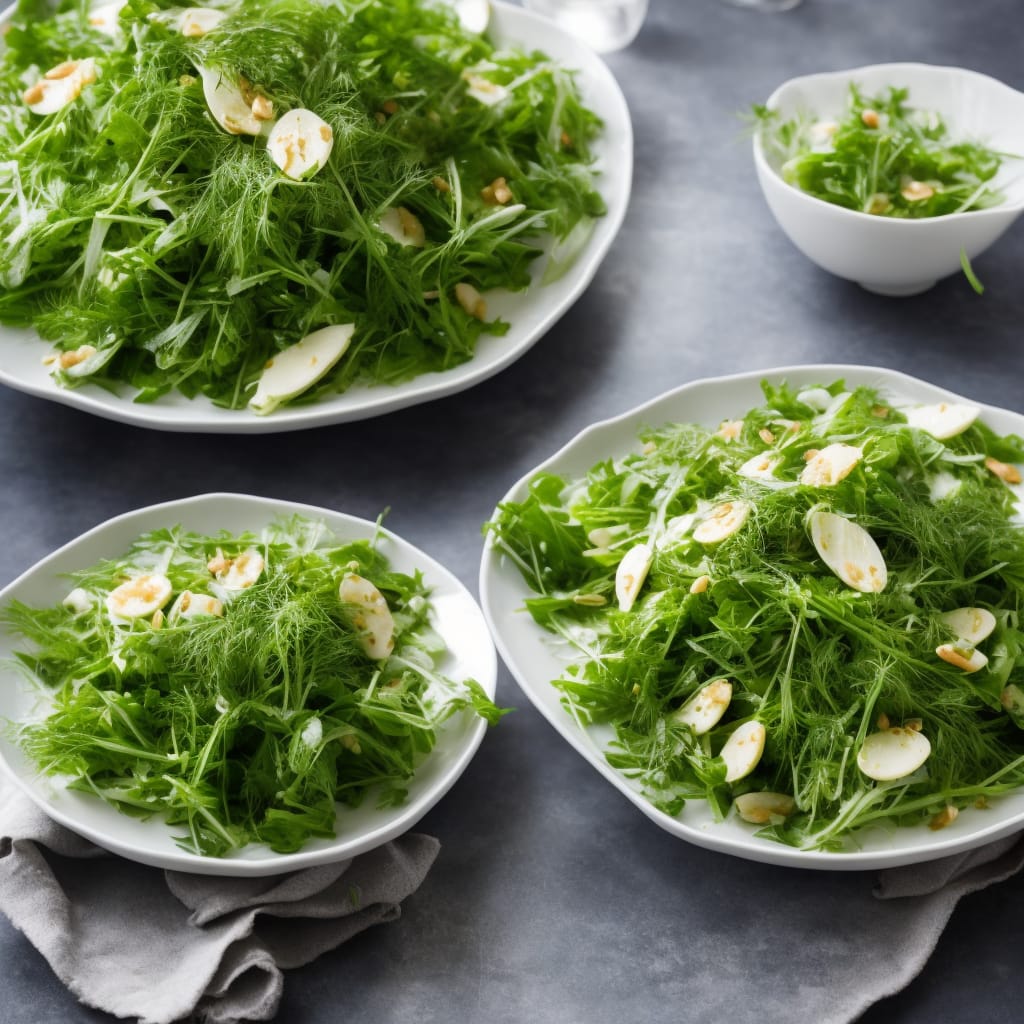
[[554, 899]]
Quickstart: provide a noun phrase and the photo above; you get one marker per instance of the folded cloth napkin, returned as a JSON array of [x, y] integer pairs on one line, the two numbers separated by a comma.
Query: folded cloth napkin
[[156, 945]]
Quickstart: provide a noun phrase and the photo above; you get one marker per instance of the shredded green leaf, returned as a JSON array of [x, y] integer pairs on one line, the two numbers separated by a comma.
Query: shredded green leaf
[[168, 254], [819, 664], [882, 157], [248, 724]]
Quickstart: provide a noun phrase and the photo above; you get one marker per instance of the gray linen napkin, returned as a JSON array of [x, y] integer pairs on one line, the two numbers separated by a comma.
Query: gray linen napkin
[[142, 943]]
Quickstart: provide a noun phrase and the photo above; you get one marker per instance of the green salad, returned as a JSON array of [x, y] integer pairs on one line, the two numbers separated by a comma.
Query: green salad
[[883, 157], [809, 617], [189, 193], [240, 685]]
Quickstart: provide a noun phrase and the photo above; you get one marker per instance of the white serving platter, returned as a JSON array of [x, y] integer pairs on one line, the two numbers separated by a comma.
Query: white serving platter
[[456, 617], [535, 659], [530, 313]]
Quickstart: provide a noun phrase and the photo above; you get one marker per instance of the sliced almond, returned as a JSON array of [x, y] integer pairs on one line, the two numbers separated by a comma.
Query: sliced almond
[[848, 550], [971, 625], [369, 614], [194, 606], [964, 658], [197, 21], [471, 300], [139, 597], [704, 710], [760, 467], [51, 94], [483, 90], [298, 367], [830, 465], [1006, 472], [300, 143], [818, 399], [743, 750], [764, 808], [227, 103], [700, 584], [722, 522], [893, 753], [942, 420], [730, 430], [404, 227], [631, 574]]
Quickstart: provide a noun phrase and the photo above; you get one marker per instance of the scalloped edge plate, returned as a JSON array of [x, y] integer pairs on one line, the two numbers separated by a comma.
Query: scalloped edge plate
[[456, 616], [530, 654], [531, 313]]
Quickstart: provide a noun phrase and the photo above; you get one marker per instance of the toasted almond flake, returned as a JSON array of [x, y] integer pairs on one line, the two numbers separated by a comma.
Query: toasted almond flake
[[914, 724], [848, 550], [483, 90], [882, 722], [764, 808], [590, 600], [893, 753], [194, 606], [50, 94], [403, 226], [760, 467], [916, 191], [440, 184], [1007, 473], [700, 584], [870, 118], [195, 22], [817, 399], [722, 522], [139, 597], [878, 203], [962, 657], [743, 750], [630, 575], [291, 371], [471, 300], [300, 143], [730, 430], [78, 601], [972, 625], [1012, 699], [704, 710], [227, 104], [68, 359], [945, 817], [766, 435], [831, 465], [942, 420], [262, 108], [369, 614]]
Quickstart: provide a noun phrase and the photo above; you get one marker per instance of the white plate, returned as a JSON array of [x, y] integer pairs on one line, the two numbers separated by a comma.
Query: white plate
[[530, 313], [455, 616], [533, 659]]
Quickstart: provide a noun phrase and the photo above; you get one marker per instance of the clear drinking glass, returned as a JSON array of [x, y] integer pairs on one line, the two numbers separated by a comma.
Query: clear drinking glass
[[604, 25], [768, 6]]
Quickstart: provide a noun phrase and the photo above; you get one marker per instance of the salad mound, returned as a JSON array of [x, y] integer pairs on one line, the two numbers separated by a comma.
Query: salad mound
[[187, 193], [240, 686], [884, 157], [808, 617]]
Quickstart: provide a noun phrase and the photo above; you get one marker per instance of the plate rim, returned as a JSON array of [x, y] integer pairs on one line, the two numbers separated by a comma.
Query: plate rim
[[273, 863], [750, 848], [425, 387]]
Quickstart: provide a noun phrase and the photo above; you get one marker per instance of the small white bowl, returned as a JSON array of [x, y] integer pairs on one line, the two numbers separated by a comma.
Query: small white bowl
[[899, 256]]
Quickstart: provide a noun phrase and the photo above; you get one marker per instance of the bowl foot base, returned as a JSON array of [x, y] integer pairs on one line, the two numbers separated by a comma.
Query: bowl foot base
[[897, 290]]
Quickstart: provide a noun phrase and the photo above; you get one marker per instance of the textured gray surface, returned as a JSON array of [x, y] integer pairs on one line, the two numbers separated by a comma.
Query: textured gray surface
[[553, 899]]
